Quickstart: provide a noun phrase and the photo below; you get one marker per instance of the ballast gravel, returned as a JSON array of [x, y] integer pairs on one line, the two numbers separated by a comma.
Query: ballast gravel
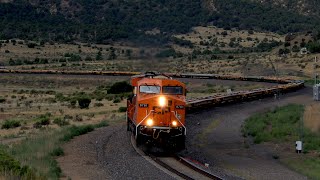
[[106, 153]]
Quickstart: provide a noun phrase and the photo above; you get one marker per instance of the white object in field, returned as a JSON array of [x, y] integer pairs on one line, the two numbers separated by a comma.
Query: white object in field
[[316, 92], [229, 91], [299, 145], [303, 50], [206, 164]]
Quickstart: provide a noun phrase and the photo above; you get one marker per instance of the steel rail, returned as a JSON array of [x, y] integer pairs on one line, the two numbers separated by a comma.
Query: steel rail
[[163, 165]]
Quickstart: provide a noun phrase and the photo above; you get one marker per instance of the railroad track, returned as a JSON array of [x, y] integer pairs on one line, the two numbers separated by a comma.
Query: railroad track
[[284, 85], [176, 166]]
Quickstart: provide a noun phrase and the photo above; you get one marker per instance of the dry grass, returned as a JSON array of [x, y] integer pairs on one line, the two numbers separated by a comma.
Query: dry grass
[[256, 64], [312, 117], [204, 33], [26, 107], [58, 50]]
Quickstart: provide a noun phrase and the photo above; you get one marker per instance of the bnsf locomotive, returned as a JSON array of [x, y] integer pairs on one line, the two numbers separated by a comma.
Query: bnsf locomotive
[[156, 110]]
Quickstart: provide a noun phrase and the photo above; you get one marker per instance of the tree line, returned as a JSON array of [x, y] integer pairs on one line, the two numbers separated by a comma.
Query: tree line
[[106, 21]]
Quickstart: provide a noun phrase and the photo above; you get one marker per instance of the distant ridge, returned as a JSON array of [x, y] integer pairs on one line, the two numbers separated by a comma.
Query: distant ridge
[[103, 21]]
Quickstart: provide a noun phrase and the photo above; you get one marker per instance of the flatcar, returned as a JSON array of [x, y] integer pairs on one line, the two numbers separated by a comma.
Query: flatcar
[[156, 111]]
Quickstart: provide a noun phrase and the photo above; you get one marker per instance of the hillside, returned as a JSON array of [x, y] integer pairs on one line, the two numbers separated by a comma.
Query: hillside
[[304, 7], [146, 21]]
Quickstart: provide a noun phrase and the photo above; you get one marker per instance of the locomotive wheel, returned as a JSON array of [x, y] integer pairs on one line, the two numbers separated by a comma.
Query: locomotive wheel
[[138, 140], [181, 143]]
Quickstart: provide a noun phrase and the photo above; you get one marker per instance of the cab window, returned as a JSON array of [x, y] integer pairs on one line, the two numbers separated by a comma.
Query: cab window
[[177, 90], [150, 89]]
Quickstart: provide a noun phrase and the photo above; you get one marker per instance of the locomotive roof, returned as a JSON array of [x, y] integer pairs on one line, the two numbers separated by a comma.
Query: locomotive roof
[[158, 80]]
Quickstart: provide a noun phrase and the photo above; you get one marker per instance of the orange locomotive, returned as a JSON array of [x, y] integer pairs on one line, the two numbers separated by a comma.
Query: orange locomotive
[[156, 110]]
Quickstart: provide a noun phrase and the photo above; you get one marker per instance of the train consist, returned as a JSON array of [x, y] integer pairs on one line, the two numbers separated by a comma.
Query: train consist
[[174, 75], [156, 111], [285, 85], [240, 96], [68, 72]]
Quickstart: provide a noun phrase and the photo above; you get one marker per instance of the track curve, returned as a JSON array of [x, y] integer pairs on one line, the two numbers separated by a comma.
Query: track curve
[[284, 86]]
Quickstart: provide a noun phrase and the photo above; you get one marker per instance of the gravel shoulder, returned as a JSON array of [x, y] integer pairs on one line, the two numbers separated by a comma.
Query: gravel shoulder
[[106, 153], [215, 137]]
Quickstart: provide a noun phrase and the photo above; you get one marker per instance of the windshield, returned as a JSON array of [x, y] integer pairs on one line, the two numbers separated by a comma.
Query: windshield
[[150, 89], [172, 90]]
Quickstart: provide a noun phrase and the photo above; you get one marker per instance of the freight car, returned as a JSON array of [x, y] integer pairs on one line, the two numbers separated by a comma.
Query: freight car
[[156, 111]]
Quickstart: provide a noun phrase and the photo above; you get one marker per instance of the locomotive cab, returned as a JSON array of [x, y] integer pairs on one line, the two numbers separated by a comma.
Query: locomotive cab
[[156, 110]]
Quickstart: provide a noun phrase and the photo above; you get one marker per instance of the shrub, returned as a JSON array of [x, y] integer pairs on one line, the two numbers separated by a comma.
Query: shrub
[[2, 99], [84, 102], [314, 47], [66, 117], [98, 104], [57, 152], [77, 131], [42, 120], [166, 53], [60, 122], [9, 164], [101, 124], [73, 102], [60, 97], [120, 87], [117, 100], [78, 118], [88, 58], [11, 124], [122, 109], [31, 45]]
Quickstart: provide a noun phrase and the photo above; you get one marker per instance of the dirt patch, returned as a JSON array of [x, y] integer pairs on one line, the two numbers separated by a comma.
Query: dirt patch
[[312, 117]]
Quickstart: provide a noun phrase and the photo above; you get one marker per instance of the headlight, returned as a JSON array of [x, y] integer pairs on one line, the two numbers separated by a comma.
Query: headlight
[[162, 101], [174, 123], [149, 122]]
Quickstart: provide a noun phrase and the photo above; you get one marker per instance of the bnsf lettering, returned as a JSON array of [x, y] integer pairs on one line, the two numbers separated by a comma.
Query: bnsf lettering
[[179, 107], [143, 105]]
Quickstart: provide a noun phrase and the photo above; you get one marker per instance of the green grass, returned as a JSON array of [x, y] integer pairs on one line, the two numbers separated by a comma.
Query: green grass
[[122, 109], [309, 81], [38, 151], [282, 125], [11, 167], [307, 166], [76, 131], [13, 123], [61, 122]]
